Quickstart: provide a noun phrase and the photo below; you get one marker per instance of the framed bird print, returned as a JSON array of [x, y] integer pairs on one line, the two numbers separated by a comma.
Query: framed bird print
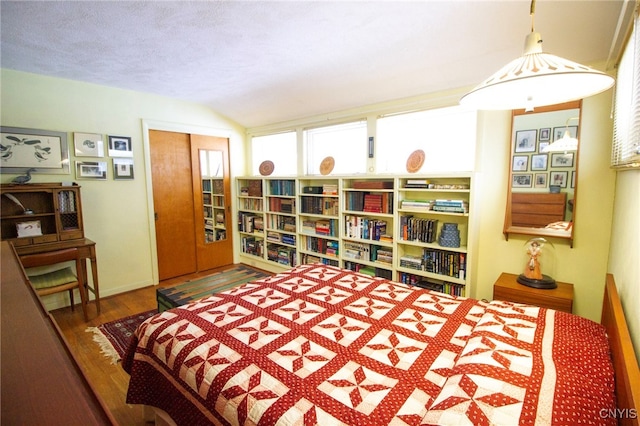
[[43, 150], [88, 144]]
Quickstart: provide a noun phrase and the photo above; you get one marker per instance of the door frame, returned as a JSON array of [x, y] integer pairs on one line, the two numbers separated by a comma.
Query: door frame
[[179, 128]]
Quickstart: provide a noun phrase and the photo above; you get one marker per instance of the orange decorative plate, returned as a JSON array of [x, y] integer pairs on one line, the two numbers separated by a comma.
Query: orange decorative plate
[[415, 161], [326, 166], [266, 168]]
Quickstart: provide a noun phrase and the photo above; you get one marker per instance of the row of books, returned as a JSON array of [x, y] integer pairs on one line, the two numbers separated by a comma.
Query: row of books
[[251, 245], [365, 228], [330, 189], [320, 245], [434, 285], [277, 237], [250, 204], [319, 205], [283, 223], [282, 255], [450, 206], [253, 189], [369, 202], [416, 204], [282, 187], [418, 229], [452, 264], [309, 258], [327, 227], [67, 202], [249, 222], [369, 270], [354, 250], [216, 186], [211, 235], [282, 205]]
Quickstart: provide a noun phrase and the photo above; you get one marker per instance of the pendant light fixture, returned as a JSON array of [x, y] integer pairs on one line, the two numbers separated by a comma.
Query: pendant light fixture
[[536, 79], [566, 143]]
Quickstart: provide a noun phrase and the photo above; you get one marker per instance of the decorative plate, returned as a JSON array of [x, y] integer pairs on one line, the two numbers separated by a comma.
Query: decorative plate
[[415, 161], [326, 166], [266, 168]]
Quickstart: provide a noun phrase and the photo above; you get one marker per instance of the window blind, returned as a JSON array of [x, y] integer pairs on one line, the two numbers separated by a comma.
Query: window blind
[[626, 120]]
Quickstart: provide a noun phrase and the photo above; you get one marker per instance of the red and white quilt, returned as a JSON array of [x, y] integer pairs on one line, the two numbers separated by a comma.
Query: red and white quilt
[[327, 346]]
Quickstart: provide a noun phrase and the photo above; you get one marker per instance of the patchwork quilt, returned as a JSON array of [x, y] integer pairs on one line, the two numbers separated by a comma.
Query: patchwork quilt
[[319, 345]]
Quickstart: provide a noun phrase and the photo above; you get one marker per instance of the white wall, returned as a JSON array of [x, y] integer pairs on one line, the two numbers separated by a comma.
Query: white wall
[[116, 213]]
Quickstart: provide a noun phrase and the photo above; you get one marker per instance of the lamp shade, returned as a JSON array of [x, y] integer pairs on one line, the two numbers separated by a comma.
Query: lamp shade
[[564, 144], [536, 79]]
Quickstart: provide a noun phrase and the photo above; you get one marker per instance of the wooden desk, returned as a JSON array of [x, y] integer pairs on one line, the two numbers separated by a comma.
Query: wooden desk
[[507, 288], [87, 250], [42, 383]]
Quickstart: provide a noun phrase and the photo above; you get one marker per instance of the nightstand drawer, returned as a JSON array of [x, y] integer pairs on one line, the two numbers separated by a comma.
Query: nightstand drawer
[[508, 289]]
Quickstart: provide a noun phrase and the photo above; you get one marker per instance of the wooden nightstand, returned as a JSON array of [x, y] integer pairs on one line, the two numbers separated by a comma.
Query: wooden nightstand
[[507, 288]]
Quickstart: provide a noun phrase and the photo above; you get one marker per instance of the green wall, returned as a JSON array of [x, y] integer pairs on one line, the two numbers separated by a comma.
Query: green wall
[[116, 212]]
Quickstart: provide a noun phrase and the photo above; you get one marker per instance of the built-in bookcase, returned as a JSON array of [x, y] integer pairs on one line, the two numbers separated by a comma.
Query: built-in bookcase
[[390, 227], [251, 217], [214, 209]]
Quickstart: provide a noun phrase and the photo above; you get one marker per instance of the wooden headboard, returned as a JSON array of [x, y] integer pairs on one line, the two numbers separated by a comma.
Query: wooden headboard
[[624, 358], [536, 209]]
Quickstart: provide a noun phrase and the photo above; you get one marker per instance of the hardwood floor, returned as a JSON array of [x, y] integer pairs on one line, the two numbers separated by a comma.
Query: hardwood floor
[[110, 381]]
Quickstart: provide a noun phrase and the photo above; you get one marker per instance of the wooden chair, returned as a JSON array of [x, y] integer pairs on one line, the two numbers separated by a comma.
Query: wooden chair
[[60, 279]]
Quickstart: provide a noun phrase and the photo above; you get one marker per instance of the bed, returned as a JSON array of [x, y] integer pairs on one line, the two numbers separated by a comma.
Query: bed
[[323, 345]]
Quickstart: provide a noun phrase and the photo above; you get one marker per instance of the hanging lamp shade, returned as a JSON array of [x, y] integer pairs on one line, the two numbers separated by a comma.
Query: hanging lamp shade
[[564, 144], [536, 79]]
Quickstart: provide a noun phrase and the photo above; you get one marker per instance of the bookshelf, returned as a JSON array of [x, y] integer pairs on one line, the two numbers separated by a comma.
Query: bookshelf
[[425, 207], [319, 232], [251, 217], [281, 221], [390, 227], [214, 209]]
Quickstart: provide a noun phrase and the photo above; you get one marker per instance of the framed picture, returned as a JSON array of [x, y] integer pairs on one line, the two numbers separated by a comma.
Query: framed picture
[[561, 159], [120, 146], [558, 132], [91, 170], [542, 145], [540, 180], [522, 180], [545, 134], [42, 150], [539, 162], [123, 168], [526, 140], [520, 163], [88, 144], [559, 179]]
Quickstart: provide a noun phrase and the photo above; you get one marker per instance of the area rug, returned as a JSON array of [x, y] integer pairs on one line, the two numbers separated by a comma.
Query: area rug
[[114, 336], [171, 297]]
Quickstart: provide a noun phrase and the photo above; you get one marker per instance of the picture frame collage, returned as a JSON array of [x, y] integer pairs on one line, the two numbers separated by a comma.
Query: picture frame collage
[[93, 145], [532, 168]]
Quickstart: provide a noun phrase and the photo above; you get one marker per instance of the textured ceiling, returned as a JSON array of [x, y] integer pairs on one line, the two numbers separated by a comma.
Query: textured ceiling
[[265, 62]]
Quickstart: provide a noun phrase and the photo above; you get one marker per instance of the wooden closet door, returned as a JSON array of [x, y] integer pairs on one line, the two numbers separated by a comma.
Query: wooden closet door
[[173, 201]]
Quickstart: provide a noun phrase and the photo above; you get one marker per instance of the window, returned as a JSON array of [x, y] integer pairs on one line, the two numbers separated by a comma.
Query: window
[[626, 119], [346, 143], [281, 148], [446, 135]]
